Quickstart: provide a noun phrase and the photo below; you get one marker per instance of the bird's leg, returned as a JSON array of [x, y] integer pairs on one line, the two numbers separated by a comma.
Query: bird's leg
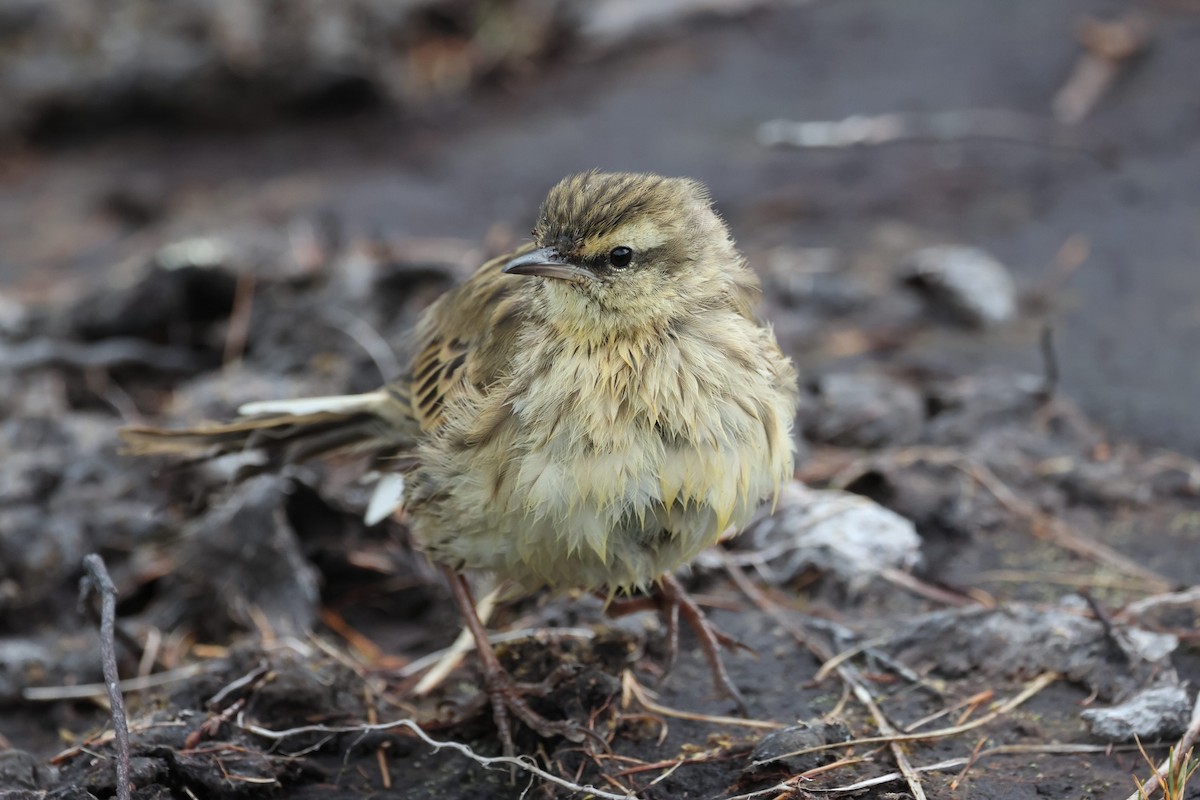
[[679, 602], [670, 599], [670, 610], [505, 693]]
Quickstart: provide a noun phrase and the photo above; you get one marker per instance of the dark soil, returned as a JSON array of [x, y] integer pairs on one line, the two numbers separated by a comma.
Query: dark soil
[[169, 272]]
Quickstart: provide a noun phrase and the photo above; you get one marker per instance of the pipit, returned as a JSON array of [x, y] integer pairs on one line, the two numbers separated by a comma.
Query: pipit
[[588, 412]]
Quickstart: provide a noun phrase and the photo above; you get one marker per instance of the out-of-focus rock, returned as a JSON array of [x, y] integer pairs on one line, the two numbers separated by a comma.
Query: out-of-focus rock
[[70, 60], [65, 491], [240, 565], [1020, 639], [774, 751], [812, 276], [962, 408], [1104, 483], [1160, 712], [846, 535], [168, 304], [21, 770], [863, 410], [967, 283]]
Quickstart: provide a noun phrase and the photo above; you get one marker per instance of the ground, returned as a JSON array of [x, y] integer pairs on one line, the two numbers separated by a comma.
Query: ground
[[1048, 505]]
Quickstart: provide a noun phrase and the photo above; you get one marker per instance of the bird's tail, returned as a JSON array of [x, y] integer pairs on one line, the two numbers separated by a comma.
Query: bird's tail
[[378, 424]]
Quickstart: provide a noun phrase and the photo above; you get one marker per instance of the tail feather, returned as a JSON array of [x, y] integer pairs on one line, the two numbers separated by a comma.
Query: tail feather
[[292, 431], [300, 406]]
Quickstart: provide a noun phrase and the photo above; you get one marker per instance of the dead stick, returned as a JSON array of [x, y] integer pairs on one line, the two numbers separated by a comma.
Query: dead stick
[[97, 579]]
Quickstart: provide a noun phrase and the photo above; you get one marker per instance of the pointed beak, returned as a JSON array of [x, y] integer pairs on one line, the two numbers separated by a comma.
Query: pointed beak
[[547, 263]]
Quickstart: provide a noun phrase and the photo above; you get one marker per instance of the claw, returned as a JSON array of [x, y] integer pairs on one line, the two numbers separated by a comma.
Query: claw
[[672, 600], [507, 696]]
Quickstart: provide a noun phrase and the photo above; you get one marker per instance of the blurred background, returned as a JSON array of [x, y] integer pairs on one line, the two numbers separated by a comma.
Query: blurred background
[[973, 218], [368, 140]]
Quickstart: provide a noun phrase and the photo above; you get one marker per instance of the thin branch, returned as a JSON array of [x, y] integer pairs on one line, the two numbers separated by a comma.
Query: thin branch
[[96, 579], [956, 125], [1186, 597], [1050, 372], [239, 318], [370, 340]]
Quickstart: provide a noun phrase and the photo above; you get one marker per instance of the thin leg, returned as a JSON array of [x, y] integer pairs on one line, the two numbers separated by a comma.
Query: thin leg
[[503, 691], [628, 605], [670, 610], [710, 638]]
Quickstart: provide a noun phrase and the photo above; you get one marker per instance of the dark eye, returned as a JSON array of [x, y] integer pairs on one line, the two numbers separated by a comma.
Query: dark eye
[[620, 256]]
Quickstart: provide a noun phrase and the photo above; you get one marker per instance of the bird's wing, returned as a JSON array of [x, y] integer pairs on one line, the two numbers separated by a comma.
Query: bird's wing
[[464, 342]]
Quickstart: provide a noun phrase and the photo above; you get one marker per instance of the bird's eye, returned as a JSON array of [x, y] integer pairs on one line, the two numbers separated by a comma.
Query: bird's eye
[[620, 256]]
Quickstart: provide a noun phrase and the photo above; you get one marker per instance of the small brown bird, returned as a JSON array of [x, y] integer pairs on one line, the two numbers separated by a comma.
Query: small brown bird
[[589, 412]]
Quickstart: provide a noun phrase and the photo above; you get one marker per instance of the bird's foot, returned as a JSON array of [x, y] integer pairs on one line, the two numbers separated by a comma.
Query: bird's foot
[[676, 602], [673, 601], [506, 695], [507, 698]]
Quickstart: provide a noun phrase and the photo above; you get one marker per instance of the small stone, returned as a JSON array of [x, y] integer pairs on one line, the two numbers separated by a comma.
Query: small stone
[[846, 535], [1160, 712], [973, 287], [21, 770], [868, 411], [774, 751]]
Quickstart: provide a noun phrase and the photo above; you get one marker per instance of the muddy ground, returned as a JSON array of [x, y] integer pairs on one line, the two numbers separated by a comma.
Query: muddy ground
[[166, 266]]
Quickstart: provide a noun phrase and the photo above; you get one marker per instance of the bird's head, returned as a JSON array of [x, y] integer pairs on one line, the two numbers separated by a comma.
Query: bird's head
[[625, 249]]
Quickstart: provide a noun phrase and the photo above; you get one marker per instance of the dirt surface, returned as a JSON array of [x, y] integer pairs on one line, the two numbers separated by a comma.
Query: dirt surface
[[161, 273]]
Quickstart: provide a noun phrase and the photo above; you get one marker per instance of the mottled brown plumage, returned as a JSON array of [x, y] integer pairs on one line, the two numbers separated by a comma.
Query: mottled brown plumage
[[593, 424]]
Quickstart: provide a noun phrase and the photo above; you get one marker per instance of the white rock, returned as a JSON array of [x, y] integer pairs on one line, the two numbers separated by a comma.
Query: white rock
[[852, 538], [974, 285]]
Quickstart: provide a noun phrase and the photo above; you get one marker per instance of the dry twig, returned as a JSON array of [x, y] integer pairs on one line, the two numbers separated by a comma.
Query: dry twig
[[1108, 47], [96, 579], [631, 687], [1032, 688]]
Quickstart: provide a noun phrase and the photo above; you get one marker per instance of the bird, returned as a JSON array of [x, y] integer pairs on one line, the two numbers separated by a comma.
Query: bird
[[587, 412]]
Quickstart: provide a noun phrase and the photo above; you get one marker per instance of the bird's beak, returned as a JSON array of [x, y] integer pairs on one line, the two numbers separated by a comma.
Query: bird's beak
[[547, 263]]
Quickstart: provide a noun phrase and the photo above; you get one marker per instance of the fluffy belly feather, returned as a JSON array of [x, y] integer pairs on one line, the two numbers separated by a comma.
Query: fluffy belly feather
[[599, 475], [588, 520]]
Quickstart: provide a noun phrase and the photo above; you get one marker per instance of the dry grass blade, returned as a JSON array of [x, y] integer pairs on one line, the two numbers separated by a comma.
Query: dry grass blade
[[887, 729], [462, 645], [630, 685]]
